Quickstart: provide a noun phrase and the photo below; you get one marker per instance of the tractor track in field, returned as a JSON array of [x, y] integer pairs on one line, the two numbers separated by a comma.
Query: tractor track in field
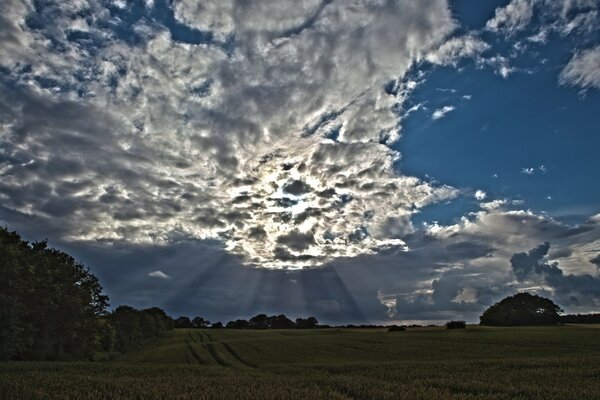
[[208, 336], [193, 352], [213, 353], [236, 356]]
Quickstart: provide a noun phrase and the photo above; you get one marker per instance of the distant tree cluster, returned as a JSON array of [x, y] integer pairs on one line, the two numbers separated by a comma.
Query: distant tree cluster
[[52, 307], [396, 328], [456, 325], [521, 309], [263, 321], [580, 319], [127, 328], [260, 321]]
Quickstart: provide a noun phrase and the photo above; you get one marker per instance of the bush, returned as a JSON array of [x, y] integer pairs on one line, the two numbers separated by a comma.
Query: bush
[[396, 328], [456, 325]]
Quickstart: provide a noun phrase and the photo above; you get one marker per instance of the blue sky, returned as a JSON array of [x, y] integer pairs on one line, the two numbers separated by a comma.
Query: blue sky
[[377, 162]]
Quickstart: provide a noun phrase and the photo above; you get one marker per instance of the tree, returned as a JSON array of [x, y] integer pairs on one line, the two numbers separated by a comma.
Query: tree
[[260, 321], [200, 322], [521, 309], [280, 322], [306, 323], [50, 305], [238, 324], [183, 322], [456, 325]]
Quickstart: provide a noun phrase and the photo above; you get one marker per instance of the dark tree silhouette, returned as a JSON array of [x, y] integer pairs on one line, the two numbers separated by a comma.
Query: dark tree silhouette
[[456, 325], [260, 321], [280, 322], [50, 305], [306, 323], [238, 324], [200, 322], [521, 309], [183, 322]]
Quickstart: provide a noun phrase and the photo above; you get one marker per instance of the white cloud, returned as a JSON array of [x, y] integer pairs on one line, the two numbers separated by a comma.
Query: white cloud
[[583, 69], [528, 171], [441, 112], [480, 195], [203, 139], [512, 18], [452, 50], [158, 274]]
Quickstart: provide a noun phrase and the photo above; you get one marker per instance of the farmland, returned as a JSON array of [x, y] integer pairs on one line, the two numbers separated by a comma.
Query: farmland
[[422, 363]]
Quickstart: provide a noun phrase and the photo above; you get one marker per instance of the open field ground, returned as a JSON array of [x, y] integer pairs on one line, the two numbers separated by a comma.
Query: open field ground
[[423, 363]]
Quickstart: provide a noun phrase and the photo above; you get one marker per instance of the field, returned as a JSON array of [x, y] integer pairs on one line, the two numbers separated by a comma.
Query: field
[[422, 363]]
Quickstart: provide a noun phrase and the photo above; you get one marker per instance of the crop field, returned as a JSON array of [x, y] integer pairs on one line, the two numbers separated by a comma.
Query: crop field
[[560, 362]]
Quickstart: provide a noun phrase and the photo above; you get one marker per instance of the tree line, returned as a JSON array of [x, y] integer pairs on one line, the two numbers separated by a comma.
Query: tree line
[[53, 308], [260, 321]]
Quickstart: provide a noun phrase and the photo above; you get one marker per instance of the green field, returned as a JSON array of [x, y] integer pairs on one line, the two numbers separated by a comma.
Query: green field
[[422, 363]]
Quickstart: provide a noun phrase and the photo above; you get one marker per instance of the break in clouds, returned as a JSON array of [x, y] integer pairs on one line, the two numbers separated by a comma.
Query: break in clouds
[[270, 127]]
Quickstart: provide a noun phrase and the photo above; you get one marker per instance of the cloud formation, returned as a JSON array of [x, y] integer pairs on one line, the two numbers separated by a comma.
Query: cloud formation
[[441, 112], [583, 69], [235, 121]]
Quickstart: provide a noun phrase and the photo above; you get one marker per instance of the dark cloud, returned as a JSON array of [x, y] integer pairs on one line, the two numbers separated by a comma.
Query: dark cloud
[[297, 188], [596, 260], [297, 240], [569, 289]]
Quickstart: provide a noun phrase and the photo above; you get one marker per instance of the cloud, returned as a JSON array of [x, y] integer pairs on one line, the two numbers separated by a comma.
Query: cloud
[[513, 17], [583, 69], [221, 120], [528, 171], [480, 195], [441, 112], [158, 274], [569, 289], [452, 50]]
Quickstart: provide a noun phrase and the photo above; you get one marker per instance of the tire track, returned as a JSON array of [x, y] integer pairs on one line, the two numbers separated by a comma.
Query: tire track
[[193, 352], [213, 353], [237, 357]]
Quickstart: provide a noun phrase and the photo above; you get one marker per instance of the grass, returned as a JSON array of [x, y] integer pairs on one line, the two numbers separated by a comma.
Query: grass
[[423, 363]]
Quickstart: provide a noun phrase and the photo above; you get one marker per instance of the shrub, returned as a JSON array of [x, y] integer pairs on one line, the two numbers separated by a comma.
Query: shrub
[[396, 328], [456, 325]]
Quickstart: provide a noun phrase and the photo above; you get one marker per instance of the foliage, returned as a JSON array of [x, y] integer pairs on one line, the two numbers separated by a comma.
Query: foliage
[[306, 323], [183, 322], [456, 325], [580, 319], [396, 328], [133, 327], [50, 305], [521, 309], [263, 321]]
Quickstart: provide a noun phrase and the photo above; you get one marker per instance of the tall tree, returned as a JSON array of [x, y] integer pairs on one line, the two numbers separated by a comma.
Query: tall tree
[[521, 309]]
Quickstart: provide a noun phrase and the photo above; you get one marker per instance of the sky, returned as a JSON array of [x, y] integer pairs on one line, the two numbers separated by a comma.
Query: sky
[[359, 161]]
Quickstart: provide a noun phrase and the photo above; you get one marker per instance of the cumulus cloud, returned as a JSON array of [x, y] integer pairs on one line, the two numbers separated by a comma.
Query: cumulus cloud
[[583, 69], [569, 289], [244, 122], [158, 274], [441, 112], [513, 17], [480, 195], [454, 49]]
